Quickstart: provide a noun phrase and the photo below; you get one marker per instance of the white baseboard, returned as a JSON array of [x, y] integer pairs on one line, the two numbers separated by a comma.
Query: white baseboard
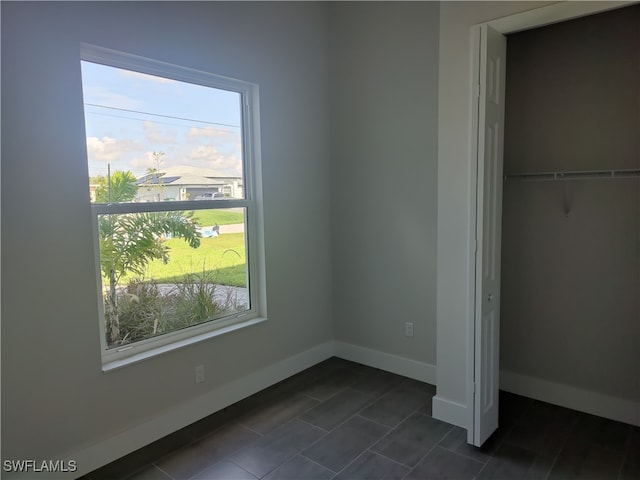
[[451, 412], [110, 449], [406, 367], [614, 408]]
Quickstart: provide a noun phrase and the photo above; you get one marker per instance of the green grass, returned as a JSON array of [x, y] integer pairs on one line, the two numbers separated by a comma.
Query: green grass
[[223, 257], [221, 217]]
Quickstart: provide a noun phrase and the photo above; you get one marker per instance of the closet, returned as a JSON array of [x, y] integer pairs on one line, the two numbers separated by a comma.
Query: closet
[[570, 307]]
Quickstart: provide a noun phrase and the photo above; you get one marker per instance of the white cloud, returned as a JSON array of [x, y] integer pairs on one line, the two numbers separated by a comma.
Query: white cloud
[[204, 152], [221, 154], [210, 157], [142, 162], [108, 149]]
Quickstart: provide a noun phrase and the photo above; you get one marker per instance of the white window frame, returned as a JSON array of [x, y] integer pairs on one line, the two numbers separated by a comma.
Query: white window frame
[[252, 203]]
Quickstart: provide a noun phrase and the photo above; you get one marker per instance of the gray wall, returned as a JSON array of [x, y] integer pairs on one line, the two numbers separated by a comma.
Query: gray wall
[[384, 93], [55, 399], [571, 285]]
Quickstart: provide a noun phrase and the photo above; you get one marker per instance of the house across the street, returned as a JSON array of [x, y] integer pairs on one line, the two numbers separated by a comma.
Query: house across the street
[[186, 183]]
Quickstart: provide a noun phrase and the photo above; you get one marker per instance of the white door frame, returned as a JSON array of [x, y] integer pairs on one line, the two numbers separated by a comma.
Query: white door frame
[[555, 13]]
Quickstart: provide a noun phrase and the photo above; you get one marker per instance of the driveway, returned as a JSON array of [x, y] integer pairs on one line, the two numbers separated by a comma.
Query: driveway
[[232, 228]]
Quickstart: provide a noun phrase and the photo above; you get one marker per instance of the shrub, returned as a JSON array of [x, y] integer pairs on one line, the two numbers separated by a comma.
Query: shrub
[[146, 309], [141, 308]]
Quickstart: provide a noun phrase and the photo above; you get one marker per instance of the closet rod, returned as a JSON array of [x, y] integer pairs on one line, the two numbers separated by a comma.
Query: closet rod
[[575, 175]]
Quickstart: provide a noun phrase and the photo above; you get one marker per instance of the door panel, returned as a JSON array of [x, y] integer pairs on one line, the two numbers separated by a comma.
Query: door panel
[[493, 47]]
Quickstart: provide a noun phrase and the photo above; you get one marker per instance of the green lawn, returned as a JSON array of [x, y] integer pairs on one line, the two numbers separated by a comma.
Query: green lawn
[[207, 218], [223, 257]]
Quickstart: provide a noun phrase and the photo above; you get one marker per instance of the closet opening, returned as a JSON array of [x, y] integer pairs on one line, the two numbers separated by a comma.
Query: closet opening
[[570, 250]]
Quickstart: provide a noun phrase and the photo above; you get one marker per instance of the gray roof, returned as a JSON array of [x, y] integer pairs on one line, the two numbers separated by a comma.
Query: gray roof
[[185, 175]]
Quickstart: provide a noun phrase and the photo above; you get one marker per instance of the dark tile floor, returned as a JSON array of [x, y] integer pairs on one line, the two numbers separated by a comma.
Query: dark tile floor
[[344, 421]]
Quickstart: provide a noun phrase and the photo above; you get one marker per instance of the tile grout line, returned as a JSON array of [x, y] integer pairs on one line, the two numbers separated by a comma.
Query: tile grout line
[[297, 452], [356, 414], [435, 445], [465, 456], [329, 397], [368, 449], [166, 473], [499, 445], [370, 398], [235, 421], [373, 399], [351, 462], [226, 457], [328, 432], [389, 458], [519, 421], [230, 460], [312, 425], [393, 429], [381, 393], [334, 473], [380, 397], [262, 435], [509, 430], [296, 416], [421, 459]]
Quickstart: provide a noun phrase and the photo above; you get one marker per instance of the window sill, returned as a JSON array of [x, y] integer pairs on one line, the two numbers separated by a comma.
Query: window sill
[[110, 365]]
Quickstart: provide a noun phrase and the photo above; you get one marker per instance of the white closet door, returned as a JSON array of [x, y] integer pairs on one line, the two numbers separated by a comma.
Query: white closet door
[[488, 232]]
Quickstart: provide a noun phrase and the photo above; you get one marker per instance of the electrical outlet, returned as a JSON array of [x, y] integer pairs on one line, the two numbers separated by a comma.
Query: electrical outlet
[[199, 373], [408, 329]]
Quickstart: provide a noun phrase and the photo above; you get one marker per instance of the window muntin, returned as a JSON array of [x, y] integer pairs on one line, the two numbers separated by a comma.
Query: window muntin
[[190, 162]]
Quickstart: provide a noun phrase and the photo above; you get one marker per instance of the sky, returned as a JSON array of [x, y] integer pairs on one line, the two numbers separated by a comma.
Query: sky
[[130, 115]]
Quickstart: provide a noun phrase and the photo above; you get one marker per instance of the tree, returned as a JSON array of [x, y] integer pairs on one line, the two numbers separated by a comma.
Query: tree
[[153, 177], [128, 242], [120, 186], [157, 161]]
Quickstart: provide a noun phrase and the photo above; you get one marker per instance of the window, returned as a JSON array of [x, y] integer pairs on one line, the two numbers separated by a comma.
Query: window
[[174, 184]]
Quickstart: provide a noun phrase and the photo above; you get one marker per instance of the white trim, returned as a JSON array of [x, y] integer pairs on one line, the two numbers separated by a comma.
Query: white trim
[[136, 63], [451, 412], [607, 406], [558, 12], [123, 443], [407, 367]]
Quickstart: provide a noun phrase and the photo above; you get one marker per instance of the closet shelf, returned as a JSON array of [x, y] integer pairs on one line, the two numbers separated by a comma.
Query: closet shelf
[[574, 175]]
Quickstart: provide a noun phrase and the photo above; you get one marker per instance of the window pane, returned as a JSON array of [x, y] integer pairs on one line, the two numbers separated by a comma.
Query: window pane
[[165, 271], [150, 138]]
